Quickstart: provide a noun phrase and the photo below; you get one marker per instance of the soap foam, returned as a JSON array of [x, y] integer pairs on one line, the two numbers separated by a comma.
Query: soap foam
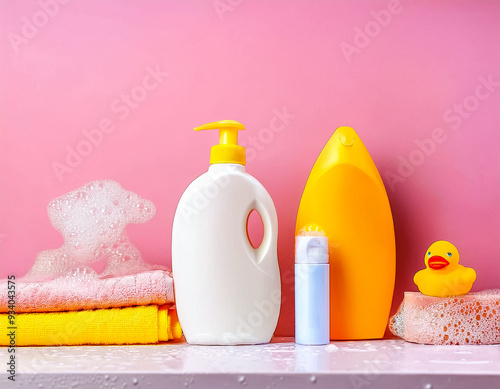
[[92, 221], [469, 319], [311, 230]]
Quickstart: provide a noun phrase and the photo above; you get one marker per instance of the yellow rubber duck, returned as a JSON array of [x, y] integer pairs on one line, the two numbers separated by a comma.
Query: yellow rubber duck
[[443, 276]]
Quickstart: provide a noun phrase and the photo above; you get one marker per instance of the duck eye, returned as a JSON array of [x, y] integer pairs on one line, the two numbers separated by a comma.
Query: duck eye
[[448, 254], [429, 254]]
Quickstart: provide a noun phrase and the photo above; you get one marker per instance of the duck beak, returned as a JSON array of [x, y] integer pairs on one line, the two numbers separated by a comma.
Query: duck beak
[[437, 262]]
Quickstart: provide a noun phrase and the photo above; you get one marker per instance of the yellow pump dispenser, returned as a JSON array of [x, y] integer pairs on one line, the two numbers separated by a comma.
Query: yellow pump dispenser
[[228, 150]]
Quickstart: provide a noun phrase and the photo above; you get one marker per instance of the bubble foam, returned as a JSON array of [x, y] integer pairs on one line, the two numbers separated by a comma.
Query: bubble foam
[[311, 230], [92, 221], [473, 318]]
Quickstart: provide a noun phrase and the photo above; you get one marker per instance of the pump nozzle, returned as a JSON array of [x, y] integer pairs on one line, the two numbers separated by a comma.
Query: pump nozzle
[[228, 150]]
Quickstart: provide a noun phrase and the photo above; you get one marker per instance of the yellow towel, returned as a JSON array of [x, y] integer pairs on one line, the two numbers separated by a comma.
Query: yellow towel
[[132, 325]]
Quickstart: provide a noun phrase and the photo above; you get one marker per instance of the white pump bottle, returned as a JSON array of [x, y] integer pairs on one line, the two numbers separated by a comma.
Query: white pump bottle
[[226, 291]]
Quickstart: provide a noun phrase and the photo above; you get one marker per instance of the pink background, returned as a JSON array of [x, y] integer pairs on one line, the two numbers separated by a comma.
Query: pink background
[[245, 62]]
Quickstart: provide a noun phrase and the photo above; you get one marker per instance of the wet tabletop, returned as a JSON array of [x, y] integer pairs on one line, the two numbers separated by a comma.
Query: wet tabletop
[[281, 363]]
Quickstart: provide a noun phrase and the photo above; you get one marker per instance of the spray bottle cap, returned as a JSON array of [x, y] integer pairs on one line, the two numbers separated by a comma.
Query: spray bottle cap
[[311, 245], [228, 150]]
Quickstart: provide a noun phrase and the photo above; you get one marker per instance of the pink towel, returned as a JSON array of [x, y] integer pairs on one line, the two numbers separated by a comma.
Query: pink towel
[[71, 294]]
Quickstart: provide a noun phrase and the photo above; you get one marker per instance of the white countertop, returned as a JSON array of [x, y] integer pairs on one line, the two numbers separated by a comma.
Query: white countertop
[[281, 364]]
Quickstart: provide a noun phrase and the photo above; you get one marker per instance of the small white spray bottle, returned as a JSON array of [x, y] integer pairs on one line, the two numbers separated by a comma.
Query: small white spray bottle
[[312, 287]]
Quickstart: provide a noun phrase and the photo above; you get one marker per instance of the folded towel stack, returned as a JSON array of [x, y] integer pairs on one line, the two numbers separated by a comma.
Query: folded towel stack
[[133, 309], [74, 293], [131, 325]]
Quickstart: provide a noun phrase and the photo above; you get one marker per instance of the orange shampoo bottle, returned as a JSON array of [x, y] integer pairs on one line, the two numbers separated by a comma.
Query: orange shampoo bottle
[[346, 196]]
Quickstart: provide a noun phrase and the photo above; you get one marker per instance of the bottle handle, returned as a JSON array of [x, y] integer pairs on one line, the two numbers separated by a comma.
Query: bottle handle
[[264, 257]]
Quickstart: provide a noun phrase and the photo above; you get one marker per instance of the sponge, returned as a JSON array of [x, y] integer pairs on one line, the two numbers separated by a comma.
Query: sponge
[[469, 319]]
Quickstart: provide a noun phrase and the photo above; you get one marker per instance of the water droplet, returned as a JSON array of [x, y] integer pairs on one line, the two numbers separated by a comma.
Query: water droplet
[[313, 379], [428, 386], [241, 379], [135, 381]]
